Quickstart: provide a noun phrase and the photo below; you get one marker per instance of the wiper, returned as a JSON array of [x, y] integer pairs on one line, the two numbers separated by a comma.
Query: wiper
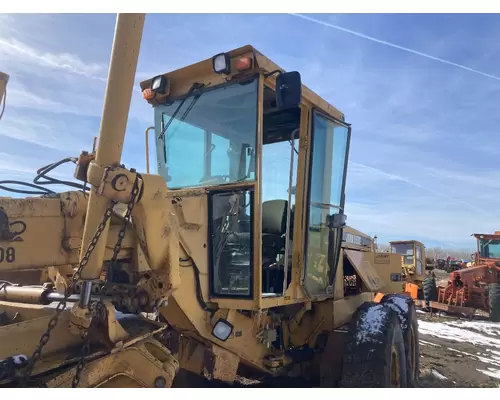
[[195, 86]]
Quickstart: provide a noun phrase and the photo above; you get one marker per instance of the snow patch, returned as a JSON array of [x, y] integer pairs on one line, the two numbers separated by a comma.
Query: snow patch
[[497, 353], [438, 375], [429, 343], [493, 361], [370, 323], [481, 326], [457, 351], [402, 303], [491, 372], [450, 332], [400, 306]]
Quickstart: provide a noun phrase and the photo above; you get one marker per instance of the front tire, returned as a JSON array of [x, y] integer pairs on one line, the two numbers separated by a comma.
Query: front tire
[[405, 308], [494, 301], [374, 354]]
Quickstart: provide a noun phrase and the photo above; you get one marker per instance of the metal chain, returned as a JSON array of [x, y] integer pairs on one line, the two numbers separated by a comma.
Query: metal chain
[[84, 353], [61, 306], [95, 312], [76, 277]]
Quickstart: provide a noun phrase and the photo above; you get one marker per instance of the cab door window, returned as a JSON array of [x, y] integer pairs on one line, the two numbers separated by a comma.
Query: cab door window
[[330, 141], [419, 259]]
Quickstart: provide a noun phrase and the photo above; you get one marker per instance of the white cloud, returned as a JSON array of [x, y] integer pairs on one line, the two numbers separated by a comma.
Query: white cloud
[[67, 136], [56, 100], [405, 220], [18, 52], [447, 207], [13, 164]]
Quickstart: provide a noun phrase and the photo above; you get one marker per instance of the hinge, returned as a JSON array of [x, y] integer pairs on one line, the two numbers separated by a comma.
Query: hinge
[[304, 143]]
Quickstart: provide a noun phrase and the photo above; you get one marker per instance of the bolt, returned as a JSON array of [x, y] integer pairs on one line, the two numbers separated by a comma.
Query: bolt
[[119, 182], [160, 382]]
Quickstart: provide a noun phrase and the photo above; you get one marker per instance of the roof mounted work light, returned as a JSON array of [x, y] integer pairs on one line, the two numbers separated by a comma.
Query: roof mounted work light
[[221, 63]]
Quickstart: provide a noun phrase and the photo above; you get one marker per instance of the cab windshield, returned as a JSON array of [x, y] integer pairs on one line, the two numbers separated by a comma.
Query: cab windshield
[[405, 249], [211, 138], [489, 248]]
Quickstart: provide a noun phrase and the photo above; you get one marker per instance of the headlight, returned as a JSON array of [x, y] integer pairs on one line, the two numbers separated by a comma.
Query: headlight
[[221, 63], [222, 329], [159, 84]]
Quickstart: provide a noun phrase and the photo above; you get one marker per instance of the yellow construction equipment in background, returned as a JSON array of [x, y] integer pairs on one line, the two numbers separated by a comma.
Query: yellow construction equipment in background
[[247, 269], [413, 264]]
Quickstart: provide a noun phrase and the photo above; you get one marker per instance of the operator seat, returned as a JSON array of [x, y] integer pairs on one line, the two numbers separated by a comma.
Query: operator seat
[[273, 229], [274, 213]]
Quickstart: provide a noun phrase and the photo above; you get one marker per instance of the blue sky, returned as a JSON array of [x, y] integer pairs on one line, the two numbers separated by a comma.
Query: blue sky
[[425, 133]]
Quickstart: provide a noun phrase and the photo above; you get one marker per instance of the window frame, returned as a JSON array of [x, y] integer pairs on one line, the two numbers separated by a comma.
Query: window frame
[[211, 267], [159, 126]]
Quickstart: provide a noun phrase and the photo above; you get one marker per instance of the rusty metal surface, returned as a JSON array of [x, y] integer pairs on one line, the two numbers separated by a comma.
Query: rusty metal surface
[[467, 287]]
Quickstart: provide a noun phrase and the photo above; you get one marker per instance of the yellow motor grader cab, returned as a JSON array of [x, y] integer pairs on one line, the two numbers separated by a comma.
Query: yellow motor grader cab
[[240, 266], [413, 264]]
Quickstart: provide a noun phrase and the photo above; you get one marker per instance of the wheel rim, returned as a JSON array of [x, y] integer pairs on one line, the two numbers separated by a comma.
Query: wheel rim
[[412, 353], [395, 372]]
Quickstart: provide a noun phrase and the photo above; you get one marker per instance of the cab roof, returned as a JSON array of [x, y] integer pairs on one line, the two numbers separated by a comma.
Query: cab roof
[[262, 63], [488, 236], [405, 242]]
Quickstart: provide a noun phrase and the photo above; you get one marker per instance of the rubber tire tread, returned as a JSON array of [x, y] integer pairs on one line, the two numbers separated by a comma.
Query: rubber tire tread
[[494, 301], [430, 289], [366, 361], [408, 319]]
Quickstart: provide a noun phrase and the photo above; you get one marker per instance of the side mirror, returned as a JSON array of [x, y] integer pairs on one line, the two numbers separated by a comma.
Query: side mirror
[[336, 220], [288, 90]]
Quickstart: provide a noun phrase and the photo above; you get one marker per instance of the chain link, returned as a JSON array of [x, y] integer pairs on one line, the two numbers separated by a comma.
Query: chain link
[[61, 306], [95, 312]]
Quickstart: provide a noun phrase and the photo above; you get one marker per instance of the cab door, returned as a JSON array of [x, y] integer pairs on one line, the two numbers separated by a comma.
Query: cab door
[[325, 201]]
